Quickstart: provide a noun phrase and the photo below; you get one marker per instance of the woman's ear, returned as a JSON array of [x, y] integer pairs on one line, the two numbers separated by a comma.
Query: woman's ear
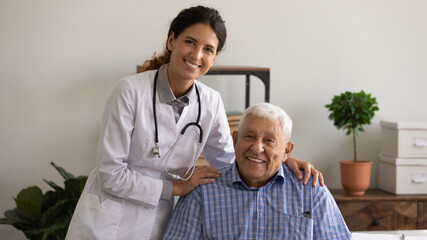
[[170, 41]]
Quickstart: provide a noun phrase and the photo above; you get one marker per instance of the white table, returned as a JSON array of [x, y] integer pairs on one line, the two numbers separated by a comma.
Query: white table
[[391, 235]]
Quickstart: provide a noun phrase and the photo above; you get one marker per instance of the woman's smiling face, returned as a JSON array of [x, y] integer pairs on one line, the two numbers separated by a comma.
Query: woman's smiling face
[[193, 52]]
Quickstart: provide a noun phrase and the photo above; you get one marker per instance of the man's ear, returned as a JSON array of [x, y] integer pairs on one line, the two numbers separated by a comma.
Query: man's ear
[[288, 150], [234, 135], [169, 44]]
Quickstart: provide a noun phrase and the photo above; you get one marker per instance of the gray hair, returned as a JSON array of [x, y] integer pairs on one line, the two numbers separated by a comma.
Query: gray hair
[[273, 112]]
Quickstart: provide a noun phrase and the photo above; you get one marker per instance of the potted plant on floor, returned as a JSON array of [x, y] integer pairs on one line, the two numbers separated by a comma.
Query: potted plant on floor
[[350, 111], [47, 215]]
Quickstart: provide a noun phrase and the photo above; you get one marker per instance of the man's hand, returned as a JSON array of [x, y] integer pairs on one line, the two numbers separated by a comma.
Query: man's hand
[[201, 175], [296, 164]]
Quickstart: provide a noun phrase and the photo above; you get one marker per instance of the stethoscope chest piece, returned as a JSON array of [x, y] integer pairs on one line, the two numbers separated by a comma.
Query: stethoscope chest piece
[[156, 150]]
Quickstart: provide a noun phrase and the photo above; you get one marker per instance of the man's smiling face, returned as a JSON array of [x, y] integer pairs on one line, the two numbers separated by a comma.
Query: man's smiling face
[[261, 147]]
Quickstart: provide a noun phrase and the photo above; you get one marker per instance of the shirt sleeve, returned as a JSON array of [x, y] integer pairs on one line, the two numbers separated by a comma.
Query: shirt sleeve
[[114, 175], [186, 222], [219, 150], [328, 222]]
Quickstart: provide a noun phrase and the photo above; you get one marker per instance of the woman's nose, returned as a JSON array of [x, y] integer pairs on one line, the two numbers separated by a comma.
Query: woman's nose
[[197, 53]]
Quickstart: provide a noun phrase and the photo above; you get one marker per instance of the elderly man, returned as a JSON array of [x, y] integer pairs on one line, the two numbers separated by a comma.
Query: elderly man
[[257, 197]]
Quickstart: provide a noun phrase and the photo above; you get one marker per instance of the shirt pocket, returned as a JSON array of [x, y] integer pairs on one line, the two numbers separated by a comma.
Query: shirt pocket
[[294, 227]]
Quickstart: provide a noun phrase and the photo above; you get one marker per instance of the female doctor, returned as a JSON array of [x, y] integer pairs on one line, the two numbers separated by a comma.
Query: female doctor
[[155, 125]]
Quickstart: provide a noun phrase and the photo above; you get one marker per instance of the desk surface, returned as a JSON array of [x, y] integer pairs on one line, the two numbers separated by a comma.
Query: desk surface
[[375, 195], [238, 69]]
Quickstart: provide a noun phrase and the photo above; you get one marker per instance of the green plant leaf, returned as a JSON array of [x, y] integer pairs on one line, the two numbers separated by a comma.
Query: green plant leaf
[[54, 186], [30, 200], [19, 219], [351, 110], [60, 209], [16, 216], [59, 225], [74, 187], [61, 171], [50, 198]]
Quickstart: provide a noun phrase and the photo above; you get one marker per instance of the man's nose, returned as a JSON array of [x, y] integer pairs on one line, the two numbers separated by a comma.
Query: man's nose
[[257, 147]]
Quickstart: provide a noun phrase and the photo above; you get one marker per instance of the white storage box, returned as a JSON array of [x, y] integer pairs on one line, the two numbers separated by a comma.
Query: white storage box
[[402, 176], [404, 139]]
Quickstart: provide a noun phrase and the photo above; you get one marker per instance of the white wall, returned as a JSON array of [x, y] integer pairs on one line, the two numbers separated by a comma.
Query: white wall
[[60, 59]]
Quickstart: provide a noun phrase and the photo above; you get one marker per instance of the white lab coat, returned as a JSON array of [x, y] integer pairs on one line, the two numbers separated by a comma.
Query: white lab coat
[[121, 199]]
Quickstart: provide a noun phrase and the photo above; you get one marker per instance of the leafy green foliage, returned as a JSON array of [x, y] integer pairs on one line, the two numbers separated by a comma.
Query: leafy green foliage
[[46, 216], [351, 111]]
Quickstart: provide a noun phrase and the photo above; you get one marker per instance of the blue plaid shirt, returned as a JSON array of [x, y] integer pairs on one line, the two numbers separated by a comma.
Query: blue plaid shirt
[[284, 208]]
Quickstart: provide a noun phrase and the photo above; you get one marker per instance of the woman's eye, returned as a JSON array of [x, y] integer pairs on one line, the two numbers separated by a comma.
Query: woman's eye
[[189, 42], [209, 50]]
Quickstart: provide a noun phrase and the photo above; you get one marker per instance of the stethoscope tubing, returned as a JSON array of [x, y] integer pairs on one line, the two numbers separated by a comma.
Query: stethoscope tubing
[[175, 176], [156, 150]]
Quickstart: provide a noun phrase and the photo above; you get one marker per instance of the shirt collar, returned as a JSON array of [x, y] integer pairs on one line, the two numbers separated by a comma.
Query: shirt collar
[[277, 178], [165, 92]]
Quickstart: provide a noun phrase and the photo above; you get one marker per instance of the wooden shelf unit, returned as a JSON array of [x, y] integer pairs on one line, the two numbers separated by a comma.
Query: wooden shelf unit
[[379, 210], [262, 73]]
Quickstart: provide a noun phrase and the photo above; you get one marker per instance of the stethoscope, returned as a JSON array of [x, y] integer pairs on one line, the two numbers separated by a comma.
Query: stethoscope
[[156, 149]]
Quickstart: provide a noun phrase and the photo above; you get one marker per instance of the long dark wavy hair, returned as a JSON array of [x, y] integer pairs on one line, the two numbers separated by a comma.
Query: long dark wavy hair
[[187, 18]]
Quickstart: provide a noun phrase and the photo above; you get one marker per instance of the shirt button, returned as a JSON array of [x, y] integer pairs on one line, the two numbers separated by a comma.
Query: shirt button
[[261, 214]]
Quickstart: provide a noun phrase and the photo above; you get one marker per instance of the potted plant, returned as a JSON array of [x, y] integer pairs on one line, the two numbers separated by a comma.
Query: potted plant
[[350, 111], [46, 216]]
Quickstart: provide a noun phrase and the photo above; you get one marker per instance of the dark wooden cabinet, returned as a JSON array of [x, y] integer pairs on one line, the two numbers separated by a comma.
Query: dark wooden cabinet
[[379, 210], [422, 214]]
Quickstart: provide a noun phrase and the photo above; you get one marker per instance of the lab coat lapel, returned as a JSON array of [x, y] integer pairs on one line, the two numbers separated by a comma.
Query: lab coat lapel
[[167, 123], [182, 121]]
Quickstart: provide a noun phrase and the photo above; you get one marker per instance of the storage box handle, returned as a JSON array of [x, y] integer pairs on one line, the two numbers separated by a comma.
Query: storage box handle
[[420, 141], [418, 178]]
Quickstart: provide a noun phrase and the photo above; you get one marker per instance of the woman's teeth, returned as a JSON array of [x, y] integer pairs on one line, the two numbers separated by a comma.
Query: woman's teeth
[[191, 65]]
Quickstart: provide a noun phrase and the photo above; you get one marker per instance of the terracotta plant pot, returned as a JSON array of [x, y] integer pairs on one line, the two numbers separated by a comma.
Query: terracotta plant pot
[[355, 176]]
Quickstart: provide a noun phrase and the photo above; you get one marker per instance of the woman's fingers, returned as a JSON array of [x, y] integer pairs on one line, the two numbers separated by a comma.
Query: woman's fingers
[[296, 164], [201, 175], [206, 171], [308, 172], [317, 176]]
